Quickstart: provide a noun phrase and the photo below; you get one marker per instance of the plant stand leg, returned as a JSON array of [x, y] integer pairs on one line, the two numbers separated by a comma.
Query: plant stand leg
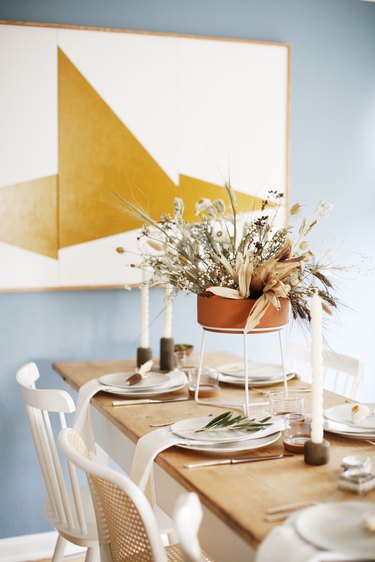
[[283, 362], [233, 406], [246, 369]]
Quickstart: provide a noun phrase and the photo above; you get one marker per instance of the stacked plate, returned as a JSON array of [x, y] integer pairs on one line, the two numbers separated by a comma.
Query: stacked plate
[[225, 441], [260, 374], [339, 420], [152, 384], [339, 528]]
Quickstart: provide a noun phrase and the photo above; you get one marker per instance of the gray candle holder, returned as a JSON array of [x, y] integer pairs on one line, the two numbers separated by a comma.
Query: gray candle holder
[[143, 355], [167, 362], [316, 453]]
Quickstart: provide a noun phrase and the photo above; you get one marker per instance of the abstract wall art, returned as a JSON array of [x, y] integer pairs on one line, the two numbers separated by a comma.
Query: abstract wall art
[[87, 113]]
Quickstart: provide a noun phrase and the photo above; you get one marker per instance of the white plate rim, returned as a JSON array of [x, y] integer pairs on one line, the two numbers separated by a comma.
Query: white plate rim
[[350, 434], [305, 529], [267, 440], [143, 394], [266, 382], [160, 376], [329, 415], [223, 369], [238, 436]]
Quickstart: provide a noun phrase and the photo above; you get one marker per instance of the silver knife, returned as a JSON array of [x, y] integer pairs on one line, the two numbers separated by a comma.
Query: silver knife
[[238, 461], [146, 401]]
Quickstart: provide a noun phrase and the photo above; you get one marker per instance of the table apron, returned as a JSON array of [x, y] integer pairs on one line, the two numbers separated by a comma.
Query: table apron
[[219, 540]]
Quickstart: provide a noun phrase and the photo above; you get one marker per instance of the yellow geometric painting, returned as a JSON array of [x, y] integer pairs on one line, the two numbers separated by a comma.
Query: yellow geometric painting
[[58, 221]]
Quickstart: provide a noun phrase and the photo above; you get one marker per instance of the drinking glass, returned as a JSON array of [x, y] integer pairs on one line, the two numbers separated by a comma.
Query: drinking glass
[[185, 359], [209, 382], [282, 403]]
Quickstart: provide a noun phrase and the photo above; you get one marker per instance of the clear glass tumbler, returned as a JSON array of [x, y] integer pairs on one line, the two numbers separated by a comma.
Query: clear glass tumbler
[[297, 432], [209, 382], [282, 403]]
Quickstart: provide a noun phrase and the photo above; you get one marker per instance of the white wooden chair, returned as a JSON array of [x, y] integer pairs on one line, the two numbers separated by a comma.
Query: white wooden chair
[[187, 519], [128, 530], [342, 374], [69, 511]]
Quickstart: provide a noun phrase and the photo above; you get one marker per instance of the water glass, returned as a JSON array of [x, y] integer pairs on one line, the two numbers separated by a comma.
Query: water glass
[[209, 382], [186, 359], [282, 403]]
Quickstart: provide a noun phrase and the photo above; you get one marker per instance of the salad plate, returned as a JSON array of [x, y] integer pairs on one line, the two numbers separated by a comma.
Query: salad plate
[[338, 527]]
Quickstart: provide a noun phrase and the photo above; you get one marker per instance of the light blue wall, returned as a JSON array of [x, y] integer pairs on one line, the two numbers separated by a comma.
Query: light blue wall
[[333, 155]]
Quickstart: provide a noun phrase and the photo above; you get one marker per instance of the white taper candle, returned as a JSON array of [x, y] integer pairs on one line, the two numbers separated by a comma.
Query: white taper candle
[[316, 370], [167, 332], [144, 312]]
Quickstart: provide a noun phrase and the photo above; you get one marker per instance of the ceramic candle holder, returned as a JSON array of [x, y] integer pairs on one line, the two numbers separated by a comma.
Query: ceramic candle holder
[[316, 453], [143, 355], [167, 360]]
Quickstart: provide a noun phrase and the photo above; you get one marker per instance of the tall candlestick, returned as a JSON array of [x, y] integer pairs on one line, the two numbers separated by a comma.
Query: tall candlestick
[[167, 332], [317, 370], [144, 312]]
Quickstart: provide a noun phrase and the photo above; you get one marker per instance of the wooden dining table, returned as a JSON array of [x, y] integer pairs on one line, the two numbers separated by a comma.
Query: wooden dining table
[[234, 497]]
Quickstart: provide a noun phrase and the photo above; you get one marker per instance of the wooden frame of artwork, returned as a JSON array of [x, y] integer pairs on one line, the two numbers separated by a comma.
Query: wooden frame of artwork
[[89, 112]]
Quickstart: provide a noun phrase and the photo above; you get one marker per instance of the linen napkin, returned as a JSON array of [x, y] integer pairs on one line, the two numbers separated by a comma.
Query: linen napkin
[[82, 419], [283, 543], [147, 449]]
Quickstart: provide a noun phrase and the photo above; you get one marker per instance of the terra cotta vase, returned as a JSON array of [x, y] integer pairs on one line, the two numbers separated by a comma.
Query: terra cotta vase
[[218, 314]]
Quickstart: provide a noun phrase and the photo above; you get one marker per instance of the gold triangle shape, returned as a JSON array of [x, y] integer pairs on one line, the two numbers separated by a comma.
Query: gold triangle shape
[[99, 156], [29, 215]]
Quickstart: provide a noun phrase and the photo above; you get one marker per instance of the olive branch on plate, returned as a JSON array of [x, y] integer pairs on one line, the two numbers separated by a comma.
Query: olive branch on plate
[[231, 421]]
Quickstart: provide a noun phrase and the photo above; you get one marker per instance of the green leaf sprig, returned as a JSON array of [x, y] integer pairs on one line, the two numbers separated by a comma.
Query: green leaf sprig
[[231, 421]]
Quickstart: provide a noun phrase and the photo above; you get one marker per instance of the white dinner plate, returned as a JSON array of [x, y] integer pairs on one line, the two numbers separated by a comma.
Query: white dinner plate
[[231, 448], [188, 429], [254, 382], [347, 431], [338, 527], [150, 382], [255, 370], [143, 393], [343, 414]]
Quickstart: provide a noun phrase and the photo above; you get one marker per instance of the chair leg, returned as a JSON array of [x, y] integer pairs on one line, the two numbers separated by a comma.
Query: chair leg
[[92, 555], [58, 553]]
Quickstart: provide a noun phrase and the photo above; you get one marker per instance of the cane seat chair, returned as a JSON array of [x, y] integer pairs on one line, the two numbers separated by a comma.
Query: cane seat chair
[[187, 519], [341, 373], [69, 508], [128, 530]]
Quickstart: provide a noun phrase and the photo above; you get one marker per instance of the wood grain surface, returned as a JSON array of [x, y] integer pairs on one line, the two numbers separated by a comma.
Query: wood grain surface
[[237, 494]]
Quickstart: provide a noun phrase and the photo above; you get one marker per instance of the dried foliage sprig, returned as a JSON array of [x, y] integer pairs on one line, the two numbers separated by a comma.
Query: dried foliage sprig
[[232, 421], [236, 256]]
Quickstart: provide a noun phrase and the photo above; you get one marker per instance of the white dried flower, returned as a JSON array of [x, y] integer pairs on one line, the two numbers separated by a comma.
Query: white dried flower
[[323, 208], [219, 206], [178, 207], [204, 206]]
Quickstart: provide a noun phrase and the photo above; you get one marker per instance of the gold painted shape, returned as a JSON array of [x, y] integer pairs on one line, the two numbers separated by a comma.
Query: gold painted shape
[[192, 189], [99, 156], [29, 215]]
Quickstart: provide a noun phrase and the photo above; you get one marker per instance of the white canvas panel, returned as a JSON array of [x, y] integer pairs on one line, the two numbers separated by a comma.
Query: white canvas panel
[[137, 76], [97, 262], [28, 104], [22, 269], [234, 113]]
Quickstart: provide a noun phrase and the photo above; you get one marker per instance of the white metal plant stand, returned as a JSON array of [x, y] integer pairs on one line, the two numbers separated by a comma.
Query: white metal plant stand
[[243, 407]]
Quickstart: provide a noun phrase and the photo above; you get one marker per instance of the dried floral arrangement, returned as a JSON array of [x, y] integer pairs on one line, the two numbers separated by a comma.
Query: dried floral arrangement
[[236, 255]]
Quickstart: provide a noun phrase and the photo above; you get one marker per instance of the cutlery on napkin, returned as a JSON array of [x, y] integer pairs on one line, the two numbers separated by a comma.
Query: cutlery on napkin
[[140, 373], [147, 401], [238, 461]]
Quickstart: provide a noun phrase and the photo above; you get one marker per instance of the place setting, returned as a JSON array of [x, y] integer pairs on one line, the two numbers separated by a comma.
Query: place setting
[[351, 420], [225, 434], [259, 374]]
